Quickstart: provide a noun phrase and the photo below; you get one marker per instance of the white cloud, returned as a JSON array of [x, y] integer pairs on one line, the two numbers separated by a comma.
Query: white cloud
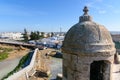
[[110, 6], [90, 4], [98, 0], [113, 9], [116, 11], [102, 11]]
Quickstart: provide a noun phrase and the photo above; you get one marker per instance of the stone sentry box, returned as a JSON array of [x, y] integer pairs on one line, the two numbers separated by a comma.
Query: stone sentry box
[[88, 51]]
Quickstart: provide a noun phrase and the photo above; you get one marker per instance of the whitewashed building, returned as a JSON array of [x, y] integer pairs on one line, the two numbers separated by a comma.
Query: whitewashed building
[[12, 35]]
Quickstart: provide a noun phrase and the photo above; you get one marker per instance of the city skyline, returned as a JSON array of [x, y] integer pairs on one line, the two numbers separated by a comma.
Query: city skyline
[[51, 15]]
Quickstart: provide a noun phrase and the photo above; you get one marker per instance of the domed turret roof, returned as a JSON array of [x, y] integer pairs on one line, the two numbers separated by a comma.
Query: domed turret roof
[[88, 37]]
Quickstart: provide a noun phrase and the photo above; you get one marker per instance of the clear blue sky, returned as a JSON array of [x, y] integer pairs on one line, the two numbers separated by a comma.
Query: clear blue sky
[[50, 15]]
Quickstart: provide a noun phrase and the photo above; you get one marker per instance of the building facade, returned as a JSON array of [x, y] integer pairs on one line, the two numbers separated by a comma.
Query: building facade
[[12, 35]]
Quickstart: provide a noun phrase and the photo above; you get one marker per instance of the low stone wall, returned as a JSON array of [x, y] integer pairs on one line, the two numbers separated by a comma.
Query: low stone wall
[[26, 72], [31, 46]]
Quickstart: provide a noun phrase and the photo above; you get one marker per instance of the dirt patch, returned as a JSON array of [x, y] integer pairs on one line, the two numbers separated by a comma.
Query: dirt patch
[[16, 52]]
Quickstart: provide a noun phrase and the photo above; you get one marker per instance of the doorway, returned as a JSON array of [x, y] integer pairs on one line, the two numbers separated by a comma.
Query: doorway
[[100, 70]]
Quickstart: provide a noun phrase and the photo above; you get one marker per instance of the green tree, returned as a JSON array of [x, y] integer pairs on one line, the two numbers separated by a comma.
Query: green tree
[[32, 36], [35, 35], [25, 35], [42, 34], [52, 34]]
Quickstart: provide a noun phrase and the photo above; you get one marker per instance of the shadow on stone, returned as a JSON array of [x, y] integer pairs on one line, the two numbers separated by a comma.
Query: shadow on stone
[[58, 55], [41, 74]]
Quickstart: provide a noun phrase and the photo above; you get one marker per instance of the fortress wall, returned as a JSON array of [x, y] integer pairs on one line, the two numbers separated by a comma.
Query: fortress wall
[[25, 72]]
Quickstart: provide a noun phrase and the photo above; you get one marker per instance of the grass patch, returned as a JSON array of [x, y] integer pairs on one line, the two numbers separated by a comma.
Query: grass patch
[[3, 56], [4, 53], [18, 67]]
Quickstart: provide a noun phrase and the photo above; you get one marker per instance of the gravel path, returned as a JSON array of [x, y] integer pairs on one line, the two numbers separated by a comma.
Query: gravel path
[[56, 67], [8, 65], [116, 72]]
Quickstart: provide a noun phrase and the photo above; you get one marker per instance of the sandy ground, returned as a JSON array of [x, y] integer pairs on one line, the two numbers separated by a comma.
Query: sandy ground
[[17, 51]]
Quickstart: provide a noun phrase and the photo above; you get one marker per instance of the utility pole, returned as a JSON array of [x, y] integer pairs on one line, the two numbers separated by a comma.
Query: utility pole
[[60, 31]]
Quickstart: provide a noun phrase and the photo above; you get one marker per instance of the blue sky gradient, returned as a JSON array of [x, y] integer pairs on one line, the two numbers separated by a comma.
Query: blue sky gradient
[[50, 15]]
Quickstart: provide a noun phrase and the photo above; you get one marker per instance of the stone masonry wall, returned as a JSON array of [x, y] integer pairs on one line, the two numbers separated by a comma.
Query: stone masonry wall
[[78, 68], [24, 73]]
